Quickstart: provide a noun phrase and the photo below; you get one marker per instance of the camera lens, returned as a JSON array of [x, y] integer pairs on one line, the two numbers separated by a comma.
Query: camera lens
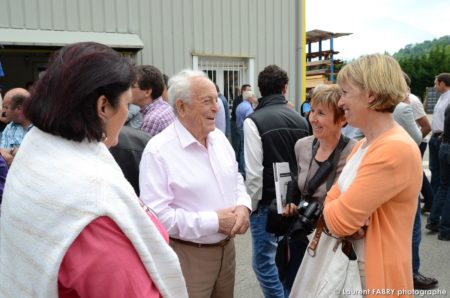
[[304, 204]]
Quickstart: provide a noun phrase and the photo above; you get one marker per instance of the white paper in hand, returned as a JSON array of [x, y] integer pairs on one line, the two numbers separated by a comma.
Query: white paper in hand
[[282, 176]]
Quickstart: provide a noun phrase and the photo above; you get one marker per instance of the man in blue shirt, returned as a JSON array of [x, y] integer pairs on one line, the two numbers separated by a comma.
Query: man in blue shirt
[[223, 114], [235, 139], [18, 125], [244, 109]]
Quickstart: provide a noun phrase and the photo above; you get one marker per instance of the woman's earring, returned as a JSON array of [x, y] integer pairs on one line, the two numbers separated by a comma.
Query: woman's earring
[[104, 137]]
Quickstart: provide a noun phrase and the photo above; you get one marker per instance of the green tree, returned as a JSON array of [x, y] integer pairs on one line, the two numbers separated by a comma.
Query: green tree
[[423, 61]]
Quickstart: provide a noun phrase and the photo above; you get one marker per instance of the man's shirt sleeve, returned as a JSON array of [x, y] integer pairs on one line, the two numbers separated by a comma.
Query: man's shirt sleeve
[[253, 161]]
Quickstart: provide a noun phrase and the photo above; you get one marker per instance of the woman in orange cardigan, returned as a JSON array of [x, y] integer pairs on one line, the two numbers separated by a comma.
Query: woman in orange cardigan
[[379, 185]]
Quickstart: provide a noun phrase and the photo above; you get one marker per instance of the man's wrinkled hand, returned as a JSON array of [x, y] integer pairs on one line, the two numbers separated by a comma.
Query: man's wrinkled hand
[[227, 220], [242, 220]]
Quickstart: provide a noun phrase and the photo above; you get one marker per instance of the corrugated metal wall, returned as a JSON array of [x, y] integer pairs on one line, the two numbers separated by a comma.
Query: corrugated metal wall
[[173, 29]]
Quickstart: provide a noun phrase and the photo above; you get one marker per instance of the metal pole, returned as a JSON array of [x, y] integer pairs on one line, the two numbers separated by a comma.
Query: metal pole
[[300, 56], [331, 58]]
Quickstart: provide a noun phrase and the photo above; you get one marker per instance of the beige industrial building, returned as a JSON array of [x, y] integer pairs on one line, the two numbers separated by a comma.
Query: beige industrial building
[[232, 40]]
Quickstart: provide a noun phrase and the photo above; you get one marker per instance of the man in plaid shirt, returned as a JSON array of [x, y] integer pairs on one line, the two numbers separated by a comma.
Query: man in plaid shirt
[[18, 125], [147, 90]]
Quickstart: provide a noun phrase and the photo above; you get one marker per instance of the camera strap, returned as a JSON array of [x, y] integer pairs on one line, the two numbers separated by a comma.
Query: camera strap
[[327, 169], [343, 141]]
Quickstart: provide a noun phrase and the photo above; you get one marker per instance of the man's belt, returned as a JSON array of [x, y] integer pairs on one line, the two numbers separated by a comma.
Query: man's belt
[[436, 134], [221, 243]]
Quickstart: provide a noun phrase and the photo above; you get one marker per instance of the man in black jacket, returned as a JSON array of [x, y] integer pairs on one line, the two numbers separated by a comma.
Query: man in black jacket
[[128, 153], [270, 134]]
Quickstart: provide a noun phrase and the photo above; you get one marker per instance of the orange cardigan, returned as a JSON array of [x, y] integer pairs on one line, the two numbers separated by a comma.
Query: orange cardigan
[[385, 190]]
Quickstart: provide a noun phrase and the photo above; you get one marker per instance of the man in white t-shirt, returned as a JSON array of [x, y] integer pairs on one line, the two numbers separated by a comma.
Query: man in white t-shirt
[[425, 127], [420, 115]]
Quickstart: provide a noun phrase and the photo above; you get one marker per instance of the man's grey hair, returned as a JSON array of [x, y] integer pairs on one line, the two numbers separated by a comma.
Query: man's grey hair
[[180, 86], [248, 94]]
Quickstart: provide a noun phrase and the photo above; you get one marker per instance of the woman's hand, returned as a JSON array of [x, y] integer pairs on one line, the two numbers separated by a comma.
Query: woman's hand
[[361, 233], [290, 210]]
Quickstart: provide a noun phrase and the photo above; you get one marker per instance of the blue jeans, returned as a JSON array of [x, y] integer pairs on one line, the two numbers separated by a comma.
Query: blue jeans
[[264, 251], [416, 238], [433, 146], [440, 210]]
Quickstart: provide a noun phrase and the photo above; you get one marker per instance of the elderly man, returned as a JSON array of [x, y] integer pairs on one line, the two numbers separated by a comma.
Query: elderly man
[[189, 177], [18, 125]]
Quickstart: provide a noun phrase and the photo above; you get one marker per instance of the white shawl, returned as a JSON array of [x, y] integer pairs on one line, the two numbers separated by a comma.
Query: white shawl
[[54, 189]]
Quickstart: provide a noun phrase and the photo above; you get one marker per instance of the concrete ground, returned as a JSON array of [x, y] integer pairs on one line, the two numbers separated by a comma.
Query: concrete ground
[[434, 257]]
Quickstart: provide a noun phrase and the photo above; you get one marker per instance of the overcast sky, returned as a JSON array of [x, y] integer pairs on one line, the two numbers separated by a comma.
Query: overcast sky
[[378, 26]]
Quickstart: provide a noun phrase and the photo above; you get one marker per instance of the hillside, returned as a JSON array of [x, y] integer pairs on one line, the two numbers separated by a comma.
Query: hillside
[[419, 49], [423, 61]]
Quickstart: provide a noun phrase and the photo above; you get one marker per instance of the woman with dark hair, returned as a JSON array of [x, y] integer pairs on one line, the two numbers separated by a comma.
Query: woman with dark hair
[[71, 225]]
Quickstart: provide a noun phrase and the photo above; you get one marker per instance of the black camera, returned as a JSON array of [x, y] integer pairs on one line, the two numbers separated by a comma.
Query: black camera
[[309, 213], [309, 209]]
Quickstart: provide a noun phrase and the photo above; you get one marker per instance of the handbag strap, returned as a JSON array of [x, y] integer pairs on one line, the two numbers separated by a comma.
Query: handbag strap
[[315, 241], [321, 226]]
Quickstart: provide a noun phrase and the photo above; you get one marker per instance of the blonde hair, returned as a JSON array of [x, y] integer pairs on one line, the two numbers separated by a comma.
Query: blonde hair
[[379, 74], [328, 96]]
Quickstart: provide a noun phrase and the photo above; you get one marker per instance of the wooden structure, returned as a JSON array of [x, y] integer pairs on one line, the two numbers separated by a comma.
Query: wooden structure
[[320, 64]]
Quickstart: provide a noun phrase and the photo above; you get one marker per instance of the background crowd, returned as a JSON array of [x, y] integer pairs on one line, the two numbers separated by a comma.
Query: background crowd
[[118, 181]]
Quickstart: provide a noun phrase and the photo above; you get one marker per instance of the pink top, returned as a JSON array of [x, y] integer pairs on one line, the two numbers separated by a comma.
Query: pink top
[[102, 262]]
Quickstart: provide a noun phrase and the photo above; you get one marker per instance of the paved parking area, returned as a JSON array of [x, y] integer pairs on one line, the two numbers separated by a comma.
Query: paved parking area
[[434, 254]]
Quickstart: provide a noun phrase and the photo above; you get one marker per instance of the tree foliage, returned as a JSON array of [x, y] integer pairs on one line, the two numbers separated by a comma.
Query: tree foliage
[[423, 61]]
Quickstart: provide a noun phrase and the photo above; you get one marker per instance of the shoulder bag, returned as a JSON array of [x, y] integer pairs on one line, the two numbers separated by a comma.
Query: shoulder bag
[[329, 269]]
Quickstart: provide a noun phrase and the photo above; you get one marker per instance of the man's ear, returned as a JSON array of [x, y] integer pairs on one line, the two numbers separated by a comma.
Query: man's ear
[[284, 91], [148, 93], [102, 107], [180, 106]]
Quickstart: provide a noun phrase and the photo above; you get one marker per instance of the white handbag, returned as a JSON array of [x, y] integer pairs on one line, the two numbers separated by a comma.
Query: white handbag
[[326, 270]]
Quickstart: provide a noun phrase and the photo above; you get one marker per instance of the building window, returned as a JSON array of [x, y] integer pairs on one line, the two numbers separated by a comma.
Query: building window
[[229, 73]]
